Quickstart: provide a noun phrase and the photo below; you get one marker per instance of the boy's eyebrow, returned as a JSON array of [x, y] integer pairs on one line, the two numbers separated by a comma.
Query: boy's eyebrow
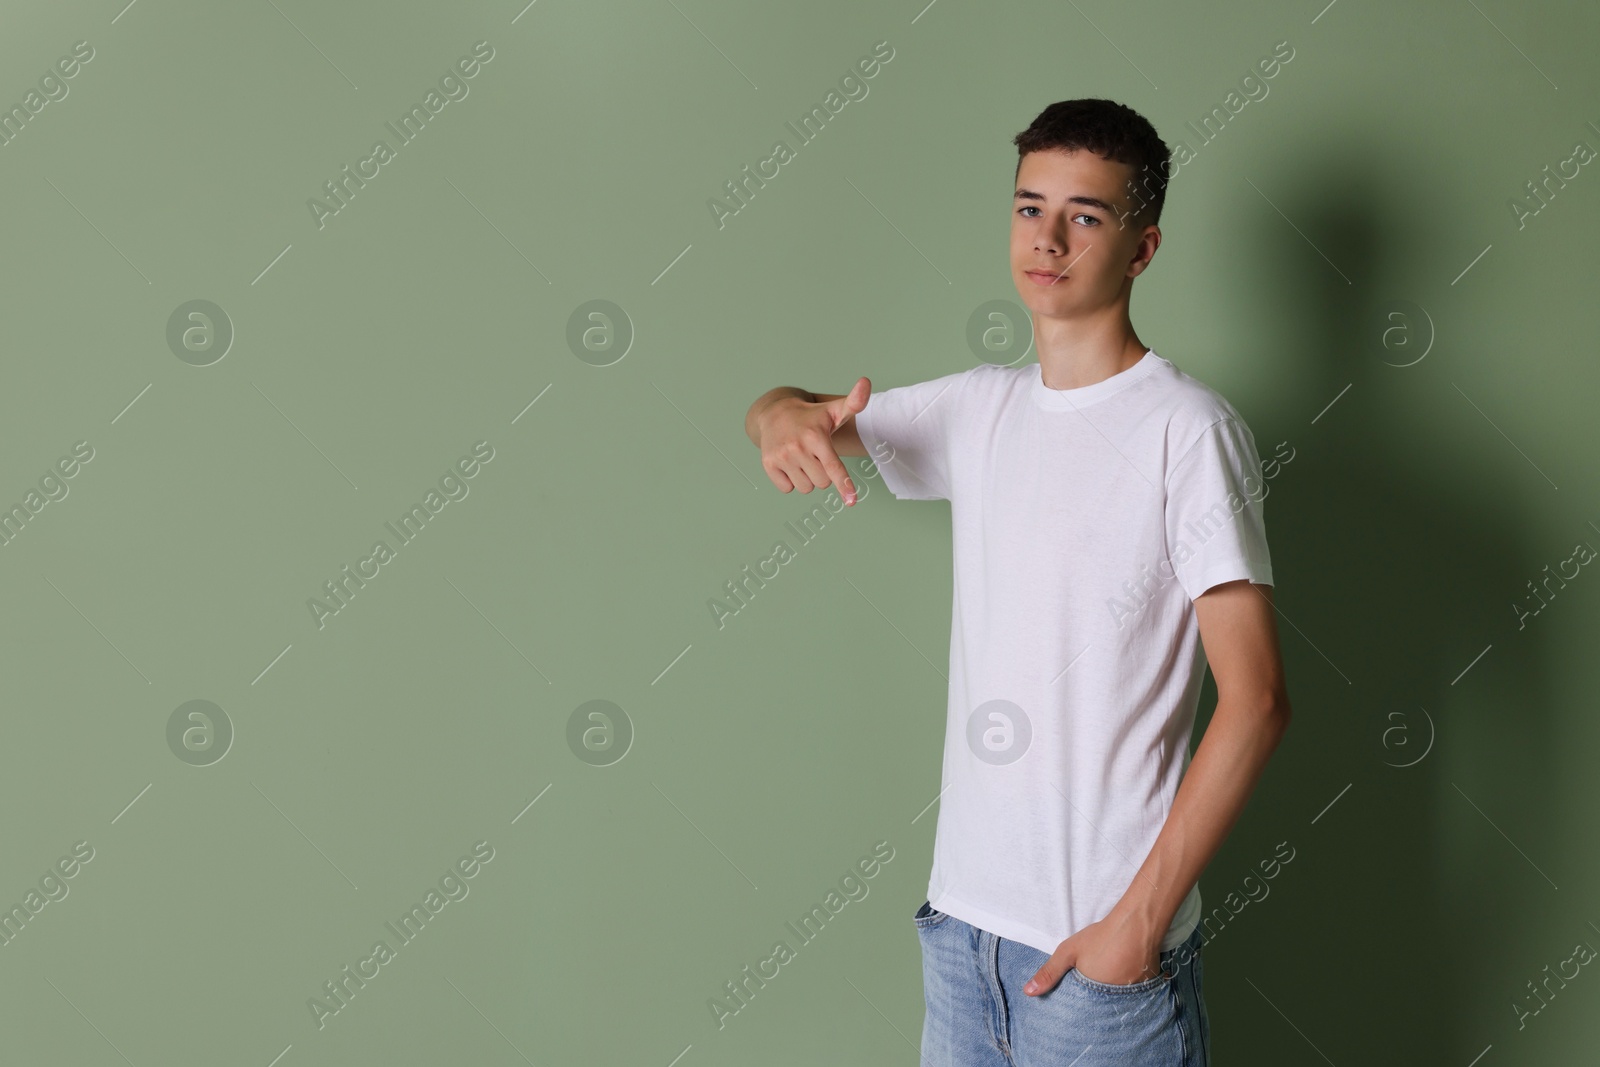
[[1089, 201]]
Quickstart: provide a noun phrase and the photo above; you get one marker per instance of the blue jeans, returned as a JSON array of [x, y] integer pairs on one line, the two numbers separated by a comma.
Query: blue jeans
[[978, 1015]]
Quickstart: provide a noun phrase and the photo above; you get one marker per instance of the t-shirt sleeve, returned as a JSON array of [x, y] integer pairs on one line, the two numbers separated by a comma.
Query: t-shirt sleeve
[[1216, 531], [907, 432]]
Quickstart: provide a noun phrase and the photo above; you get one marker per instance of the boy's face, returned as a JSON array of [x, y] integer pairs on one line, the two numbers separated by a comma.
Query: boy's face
[[1076, 245]]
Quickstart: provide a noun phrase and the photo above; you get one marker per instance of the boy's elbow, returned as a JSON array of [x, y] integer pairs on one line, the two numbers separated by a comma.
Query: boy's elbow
[[1279, 714], [1270, 710]]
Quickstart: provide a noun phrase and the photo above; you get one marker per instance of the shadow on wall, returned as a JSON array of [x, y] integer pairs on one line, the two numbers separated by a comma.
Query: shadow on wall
[[1380, 933]]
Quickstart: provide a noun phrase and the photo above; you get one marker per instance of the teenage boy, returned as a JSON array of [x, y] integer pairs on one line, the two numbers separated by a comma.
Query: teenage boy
[[1106, 511]]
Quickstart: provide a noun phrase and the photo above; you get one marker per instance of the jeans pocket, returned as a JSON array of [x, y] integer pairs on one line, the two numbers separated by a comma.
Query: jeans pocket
[[1162, 979], [927, 916]]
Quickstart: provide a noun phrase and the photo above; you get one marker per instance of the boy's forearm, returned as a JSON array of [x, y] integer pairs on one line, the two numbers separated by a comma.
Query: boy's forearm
[[1223, 773], [765, 400]]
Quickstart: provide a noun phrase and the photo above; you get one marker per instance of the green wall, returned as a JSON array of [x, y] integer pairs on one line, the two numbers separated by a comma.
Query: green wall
[[1357, 215]]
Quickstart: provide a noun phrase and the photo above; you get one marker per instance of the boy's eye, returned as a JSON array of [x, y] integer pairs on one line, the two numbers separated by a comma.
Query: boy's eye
[[1029, 207]]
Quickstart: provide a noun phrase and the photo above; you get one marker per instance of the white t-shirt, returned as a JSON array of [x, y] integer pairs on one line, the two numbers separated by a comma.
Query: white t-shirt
[[1084, 523]]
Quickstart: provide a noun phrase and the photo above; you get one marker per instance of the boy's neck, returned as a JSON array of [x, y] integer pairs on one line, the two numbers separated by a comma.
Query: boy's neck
[[1074, 353]]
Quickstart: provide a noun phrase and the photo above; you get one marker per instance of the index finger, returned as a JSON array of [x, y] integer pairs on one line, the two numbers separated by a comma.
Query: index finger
[[841, 477]]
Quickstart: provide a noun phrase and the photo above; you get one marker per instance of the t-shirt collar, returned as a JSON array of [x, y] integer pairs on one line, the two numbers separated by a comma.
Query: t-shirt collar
[[1072, 399]]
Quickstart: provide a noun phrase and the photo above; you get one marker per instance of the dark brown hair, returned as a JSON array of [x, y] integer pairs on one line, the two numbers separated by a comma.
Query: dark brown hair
[[1111, 131]]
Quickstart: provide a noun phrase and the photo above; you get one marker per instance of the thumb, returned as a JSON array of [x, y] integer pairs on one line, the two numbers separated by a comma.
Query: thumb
[[852, 402], [1048, 976]]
